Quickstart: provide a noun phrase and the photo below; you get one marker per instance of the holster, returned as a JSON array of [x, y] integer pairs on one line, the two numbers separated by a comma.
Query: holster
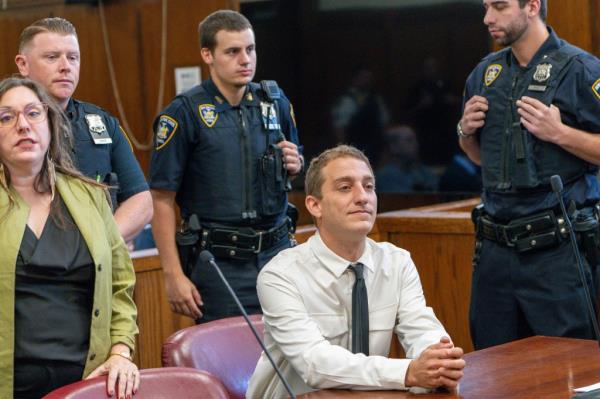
[[187, 245], [587, 228], [292, 214]]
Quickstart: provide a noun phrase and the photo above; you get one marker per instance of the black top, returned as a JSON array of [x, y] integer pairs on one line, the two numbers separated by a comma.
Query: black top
[[101, 147], [578, 98], [213, 155], [54, 292]]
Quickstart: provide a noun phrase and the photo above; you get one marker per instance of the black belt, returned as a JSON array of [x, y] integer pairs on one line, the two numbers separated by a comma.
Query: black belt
[[242, 243], [538, 231]]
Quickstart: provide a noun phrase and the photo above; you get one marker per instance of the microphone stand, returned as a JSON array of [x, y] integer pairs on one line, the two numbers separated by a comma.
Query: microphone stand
[[557, 187], [206, 256]]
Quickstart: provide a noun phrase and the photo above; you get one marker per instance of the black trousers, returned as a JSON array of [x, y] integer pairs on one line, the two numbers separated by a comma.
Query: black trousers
[[34, 379], [241, 275], [517, 295]]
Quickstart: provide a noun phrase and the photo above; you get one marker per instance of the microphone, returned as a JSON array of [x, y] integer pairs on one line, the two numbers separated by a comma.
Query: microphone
[[557, 187], [207, 257]]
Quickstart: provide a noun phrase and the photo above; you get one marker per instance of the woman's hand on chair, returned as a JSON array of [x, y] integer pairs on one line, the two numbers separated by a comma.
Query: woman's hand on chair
[[123, 376]]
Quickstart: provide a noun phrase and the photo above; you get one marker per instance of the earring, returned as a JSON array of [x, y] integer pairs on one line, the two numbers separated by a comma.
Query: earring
[[51, 170]]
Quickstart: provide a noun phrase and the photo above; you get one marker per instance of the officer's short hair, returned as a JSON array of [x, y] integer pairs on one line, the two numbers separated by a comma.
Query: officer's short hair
[[52, 25], [543, 7], [313, 182], [220, 20]]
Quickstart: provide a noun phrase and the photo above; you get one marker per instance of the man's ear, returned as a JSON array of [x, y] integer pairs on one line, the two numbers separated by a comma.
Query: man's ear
[[534, 7], [206, 55], [21, 62], [313, 205]]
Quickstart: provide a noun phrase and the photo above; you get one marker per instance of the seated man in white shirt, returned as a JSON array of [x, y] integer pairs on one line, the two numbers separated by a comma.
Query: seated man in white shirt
[[306, 294]]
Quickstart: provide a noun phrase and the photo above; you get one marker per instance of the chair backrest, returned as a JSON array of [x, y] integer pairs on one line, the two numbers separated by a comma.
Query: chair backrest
[[225, 348], [163, 383]]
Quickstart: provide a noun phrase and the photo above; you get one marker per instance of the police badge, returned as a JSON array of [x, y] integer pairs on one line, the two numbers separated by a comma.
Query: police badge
[[97, 129], [491, 73], [208, 114], [542, 72]]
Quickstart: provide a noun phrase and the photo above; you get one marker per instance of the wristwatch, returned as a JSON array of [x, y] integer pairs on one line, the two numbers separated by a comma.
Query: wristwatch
[[461, 134], [124, 353]]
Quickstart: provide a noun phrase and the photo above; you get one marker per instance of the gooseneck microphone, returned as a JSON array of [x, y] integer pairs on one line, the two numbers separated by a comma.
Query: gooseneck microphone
[[207, 257], [557, 187]]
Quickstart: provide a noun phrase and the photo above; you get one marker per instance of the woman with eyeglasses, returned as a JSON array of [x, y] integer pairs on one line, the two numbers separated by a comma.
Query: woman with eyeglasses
[[66, 279]]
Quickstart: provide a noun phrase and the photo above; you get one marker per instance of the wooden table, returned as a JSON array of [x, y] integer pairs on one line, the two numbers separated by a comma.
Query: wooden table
[[532, 368]]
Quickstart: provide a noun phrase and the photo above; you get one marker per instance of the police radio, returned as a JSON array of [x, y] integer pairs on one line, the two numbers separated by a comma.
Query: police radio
[[271, 89], [273, 93]]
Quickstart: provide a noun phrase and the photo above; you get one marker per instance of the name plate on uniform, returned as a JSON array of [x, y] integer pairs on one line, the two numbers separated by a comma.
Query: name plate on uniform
[[540, 88]]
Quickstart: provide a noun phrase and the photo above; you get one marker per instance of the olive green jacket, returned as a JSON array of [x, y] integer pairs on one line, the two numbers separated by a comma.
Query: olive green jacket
[[113, 313]]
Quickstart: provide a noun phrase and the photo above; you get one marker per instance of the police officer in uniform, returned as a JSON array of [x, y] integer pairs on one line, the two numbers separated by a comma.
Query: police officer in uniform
[[224, 151], [530, 111], [49, 53]]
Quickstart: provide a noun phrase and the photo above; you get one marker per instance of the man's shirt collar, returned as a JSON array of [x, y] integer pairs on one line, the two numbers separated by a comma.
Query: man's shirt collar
[[335, 263]]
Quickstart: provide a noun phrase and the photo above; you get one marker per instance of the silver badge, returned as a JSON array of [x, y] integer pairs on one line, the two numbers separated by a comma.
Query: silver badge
[[95, 123], [542, 72], [97, 129]]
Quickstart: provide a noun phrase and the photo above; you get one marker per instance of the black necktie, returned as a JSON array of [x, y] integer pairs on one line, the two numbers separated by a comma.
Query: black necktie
[[360, 312]]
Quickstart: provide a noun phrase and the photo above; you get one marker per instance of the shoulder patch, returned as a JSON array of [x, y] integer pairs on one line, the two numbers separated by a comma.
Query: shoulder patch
[[208, 114], [491, 73], [596, 88], [165, 130]]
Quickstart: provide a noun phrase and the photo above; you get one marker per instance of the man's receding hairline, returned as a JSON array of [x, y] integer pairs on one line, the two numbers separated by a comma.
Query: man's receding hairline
[[27, 46]]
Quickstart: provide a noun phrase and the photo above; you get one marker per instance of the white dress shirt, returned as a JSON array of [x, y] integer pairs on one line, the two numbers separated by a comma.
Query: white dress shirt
[[306, 296]]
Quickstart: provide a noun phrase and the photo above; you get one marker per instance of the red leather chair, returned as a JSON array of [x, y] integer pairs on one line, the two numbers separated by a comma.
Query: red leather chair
[[225, 348], [163, 383]]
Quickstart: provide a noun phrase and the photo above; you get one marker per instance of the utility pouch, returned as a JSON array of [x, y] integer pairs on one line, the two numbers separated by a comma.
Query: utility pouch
[[292, 214], [272, 178], [476, 215], [539, 241], [588, 231]]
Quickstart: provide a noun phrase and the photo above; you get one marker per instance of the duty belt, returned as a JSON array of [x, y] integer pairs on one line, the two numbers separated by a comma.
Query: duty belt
[[242, 243], [538, 231]]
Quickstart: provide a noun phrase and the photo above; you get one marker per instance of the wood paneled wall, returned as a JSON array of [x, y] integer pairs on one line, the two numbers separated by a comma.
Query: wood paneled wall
[[440, 239], [577, 22], [134, 30]]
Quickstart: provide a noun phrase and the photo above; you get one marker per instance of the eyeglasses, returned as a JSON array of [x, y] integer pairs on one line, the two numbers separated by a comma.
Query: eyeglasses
[[33, 113]]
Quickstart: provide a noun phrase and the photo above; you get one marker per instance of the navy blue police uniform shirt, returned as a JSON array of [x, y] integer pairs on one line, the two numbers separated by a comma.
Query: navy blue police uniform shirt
[[98, 160], [578, 99], [209, 152]]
